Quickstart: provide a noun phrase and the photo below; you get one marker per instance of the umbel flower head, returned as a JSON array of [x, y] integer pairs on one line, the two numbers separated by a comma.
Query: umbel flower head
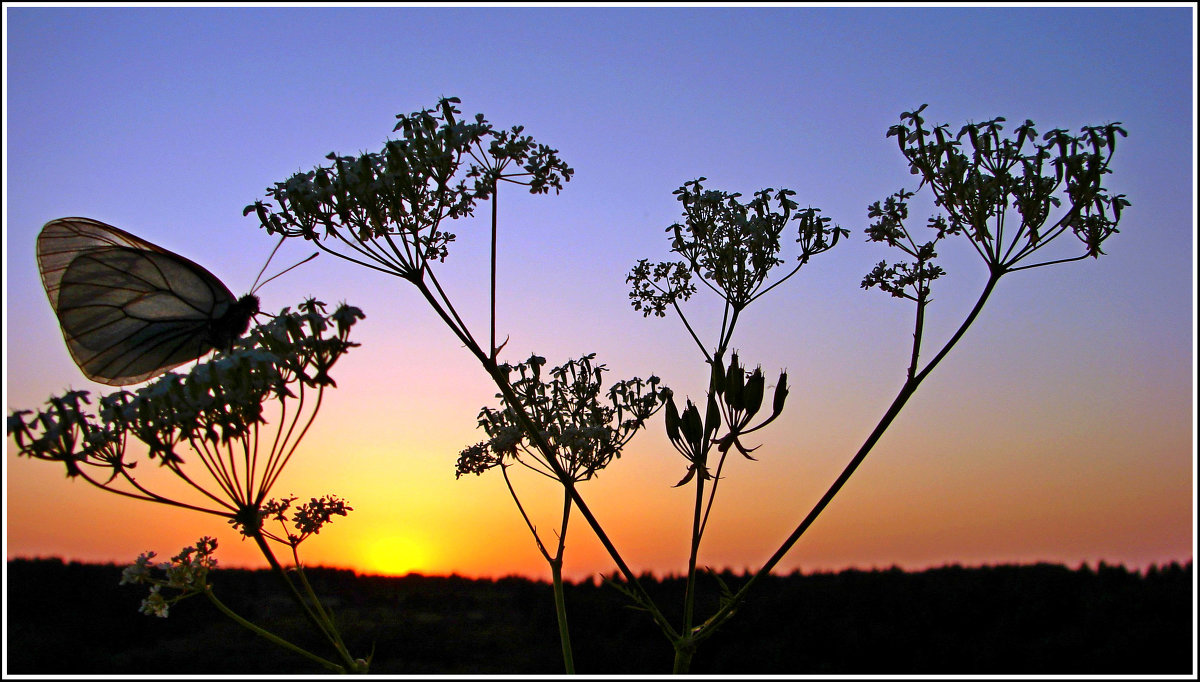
[[187, 572], [307, 519], [584, 432], [226, 429], [731, 246], [1008, 196], [388, 208]]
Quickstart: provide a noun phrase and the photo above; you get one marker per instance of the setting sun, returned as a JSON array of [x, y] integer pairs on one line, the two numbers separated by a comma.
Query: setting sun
[[395, 555]]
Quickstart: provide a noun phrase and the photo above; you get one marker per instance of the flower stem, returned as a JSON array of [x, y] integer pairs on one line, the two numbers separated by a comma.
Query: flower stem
[[560, 602], [683, 659], [495, 201], [328, 665], [560, 608], [327, 628], [689, 596]]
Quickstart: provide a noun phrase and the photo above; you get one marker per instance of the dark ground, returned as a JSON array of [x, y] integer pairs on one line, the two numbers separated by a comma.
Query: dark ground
[[1003, 620]]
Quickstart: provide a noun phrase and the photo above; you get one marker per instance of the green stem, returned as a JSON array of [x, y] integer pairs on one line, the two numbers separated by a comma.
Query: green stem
[[689, 595], [683, 658], [684, 644], [328, 665], [560, 608], [323, 625], [334, 634], [560, 603]]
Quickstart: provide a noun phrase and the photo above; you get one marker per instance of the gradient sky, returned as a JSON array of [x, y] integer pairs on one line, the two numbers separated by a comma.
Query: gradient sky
[[1059, 429]]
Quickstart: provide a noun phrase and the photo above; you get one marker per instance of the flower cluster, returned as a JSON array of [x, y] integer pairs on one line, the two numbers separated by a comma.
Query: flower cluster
[[186, 572], [388, 207], [583, 433], [999, 192], [307, 519], [213, 415], [731, 246]]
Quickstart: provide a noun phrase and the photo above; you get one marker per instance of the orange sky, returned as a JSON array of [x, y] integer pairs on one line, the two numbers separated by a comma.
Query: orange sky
[[1040, 480]]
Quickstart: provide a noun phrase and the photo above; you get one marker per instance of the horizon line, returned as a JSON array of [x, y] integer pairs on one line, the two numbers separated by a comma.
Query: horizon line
[[599, 578]]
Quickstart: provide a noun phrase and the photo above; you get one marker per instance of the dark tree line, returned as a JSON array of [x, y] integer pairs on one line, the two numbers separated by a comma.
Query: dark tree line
[[72, 618]]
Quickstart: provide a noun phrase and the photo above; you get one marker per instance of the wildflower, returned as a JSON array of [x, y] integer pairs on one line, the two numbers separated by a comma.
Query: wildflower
[[583, 433], [188, 569], [476, 459], [203, 426], [732, 247], [308, 518], [389, 207], [155, 604], [977, 175], [139, 571]]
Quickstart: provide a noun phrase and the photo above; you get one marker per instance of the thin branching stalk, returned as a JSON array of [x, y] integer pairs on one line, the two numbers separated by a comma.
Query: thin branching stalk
[[528, 522], [270, 637], [493, 351], [689, 598], [898, 403], [548, 454], [560, 601], [316, 616]]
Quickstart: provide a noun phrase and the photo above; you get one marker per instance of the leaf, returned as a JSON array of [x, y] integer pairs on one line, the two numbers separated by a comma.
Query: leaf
[[690, 473]]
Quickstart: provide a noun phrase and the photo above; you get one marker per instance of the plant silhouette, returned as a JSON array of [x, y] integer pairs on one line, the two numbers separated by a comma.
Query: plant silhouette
[[1012, 198], [212, 430]]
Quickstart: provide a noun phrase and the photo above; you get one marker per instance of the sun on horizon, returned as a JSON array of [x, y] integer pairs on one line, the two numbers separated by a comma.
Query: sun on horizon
[[394, 555]]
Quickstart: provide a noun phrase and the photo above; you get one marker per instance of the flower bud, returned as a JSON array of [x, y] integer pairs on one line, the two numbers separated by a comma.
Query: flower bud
[[781, 392], [753, 393], [734, 383], [712, 420], [672, 419], [692, 429]]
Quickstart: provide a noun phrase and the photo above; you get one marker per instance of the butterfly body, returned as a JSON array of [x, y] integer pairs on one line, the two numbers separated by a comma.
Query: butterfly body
[[130, 310]]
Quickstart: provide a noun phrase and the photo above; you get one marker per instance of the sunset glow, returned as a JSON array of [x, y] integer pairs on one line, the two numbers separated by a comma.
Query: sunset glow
[[1060, 429], [394, 555]]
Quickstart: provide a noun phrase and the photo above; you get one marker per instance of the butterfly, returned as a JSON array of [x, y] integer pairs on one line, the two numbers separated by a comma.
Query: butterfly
[[130, 310]]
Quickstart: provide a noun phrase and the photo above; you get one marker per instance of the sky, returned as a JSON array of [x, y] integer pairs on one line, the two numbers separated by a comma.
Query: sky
[[1059, 429]]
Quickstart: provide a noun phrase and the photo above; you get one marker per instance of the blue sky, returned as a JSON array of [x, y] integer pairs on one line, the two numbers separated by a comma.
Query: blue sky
[[167, 121]]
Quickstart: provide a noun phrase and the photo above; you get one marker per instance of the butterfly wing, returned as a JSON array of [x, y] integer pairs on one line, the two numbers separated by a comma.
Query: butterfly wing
[[128, 309]]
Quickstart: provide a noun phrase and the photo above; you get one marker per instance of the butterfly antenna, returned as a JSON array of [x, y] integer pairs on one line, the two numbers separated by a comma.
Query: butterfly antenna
[[254, 287], [258, 285], [278, 274]]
